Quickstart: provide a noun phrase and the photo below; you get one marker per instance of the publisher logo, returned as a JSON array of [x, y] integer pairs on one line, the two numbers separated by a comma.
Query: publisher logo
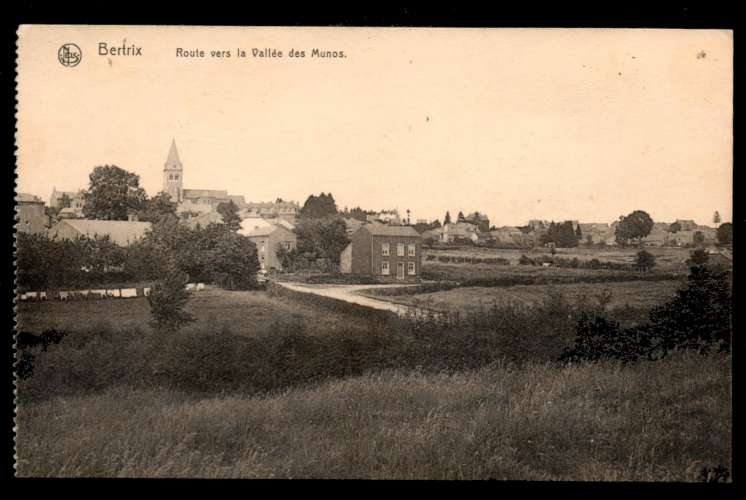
[[69, 55]]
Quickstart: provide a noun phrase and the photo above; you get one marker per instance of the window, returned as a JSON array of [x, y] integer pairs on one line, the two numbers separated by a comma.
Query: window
[[410, 267], [411, 248], [170, 177], [385, 267], [176, 177], [400, 249], [385, 249]]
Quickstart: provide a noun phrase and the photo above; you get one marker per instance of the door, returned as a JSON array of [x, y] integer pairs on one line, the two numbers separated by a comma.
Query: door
[[400, 270]]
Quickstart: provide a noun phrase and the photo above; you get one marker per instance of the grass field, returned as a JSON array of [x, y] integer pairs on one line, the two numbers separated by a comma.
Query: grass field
[[661, 421], [635, 294], [667, 258], [251, 313]]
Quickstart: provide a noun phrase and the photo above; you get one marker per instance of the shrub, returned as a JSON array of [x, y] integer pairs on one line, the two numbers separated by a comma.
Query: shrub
[[167, 300], [645, 260]]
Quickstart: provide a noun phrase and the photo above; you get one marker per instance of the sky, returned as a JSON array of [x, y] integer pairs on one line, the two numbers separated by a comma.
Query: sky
[[516, 123]]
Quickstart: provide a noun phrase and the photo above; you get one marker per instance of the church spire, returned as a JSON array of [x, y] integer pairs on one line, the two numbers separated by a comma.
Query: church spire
[[173, 160]]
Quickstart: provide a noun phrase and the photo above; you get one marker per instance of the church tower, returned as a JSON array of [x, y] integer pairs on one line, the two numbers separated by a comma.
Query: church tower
[[173, 175]]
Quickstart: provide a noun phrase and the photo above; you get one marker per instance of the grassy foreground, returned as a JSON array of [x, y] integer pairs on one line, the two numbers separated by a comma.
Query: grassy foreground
[[660, 421]]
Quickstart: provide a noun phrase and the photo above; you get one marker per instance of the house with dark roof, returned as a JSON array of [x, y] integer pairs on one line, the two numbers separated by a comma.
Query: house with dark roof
[[121, 232], [387, 253]]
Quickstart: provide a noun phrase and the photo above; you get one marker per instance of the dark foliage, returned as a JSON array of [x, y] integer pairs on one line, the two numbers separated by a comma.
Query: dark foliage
[[113, 194], [698, 318], [167, 300], [633, 227], [26, 342], [319, 206], [725, 233]]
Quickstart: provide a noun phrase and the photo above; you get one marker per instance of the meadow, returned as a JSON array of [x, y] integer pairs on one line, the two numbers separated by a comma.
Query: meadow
[[664, 421], [251, 313], [667, 258], [271, 385], [631, 294]]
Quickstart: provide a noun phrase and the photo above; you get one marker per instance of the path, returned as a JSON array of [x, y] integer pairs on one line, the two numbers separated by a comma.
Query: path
[[350, 293]]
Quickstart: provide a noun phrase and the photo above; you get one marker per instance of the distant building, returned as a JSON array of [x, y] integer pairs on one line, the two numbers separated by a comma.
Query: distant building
[[386, 217], [70, 201], [285, 210], [121, 232], [191, 200], [269, 238], [459, 231], [388, 253], [30, 215]]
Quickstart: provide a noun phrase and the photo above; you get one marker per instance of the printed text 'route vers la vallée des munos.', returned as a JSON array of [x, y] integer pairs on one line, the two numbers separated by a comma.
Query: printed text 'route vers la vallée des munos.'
[[265, 53]]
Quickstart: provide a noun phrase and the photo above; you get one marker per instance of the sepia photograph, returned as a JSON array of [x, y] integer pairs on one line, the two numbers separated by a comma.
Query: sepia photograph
[[374, 253]]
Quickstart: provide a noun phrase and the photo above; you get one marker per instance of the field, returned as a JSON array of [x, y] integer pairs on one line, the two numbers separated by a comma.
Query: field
[[662, 421], [248, 313], [633, 294], [266, 385], [668, 259]]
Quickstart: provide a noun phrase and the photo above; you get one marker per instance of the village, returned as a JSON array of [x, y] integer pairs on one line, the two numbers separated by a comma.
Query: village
[[271, 226], [444, 254]]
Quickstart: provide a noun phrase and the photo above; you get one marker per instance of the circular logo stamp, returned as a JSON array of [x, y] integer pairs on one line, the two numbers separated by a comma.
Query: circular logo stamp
[[69, 55]]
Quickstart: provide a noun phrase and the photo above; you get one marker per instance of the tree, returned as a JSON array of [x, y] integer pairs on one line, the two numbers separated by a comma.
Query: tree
[[561, 235], [157, 207], [229, 212], [675, 227], [461, 217], [447, 219], [167, 300], [645, 261], [322, 238], [113, 194], [725, 233], [633, 227], [319, 206], [232, 261], [698, 238], [578, 234], [716, 218], [480, 220]]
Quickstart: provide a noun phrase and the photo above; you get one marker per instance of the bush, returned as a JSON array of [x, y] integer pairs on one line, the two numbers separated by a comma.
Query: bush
[[645, 260], [167, 300], [697, 318]]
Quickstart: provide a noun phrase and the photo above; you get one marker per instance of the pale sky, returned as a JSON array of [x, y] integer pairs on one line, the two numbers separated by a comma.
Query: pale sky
[[516, 123]]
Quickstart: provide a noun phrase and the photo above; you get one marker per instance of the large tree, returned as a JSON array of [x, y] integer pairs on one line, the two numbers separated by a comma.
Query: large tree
[[113, 194], [322, 238], [633, 227], [157, 207], [319, 206], [229, 212]]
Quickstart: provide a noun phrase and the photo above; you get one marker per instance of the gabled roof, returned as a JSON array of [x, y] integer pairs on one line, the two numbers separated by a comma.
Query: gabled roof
[[121, 232], [27, 198], [205, 219], [389, 230], [205, 193]]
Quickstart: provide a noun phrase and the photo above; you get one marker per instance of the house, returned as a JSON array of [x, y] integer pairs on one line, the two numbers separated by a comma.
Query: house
[[121, 232], [385, 252], [510, 236], [594, 230], [385, 216], [205, 219], [268, 238], [30, 215], [71, 202], [279, 209], [459, 231]]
